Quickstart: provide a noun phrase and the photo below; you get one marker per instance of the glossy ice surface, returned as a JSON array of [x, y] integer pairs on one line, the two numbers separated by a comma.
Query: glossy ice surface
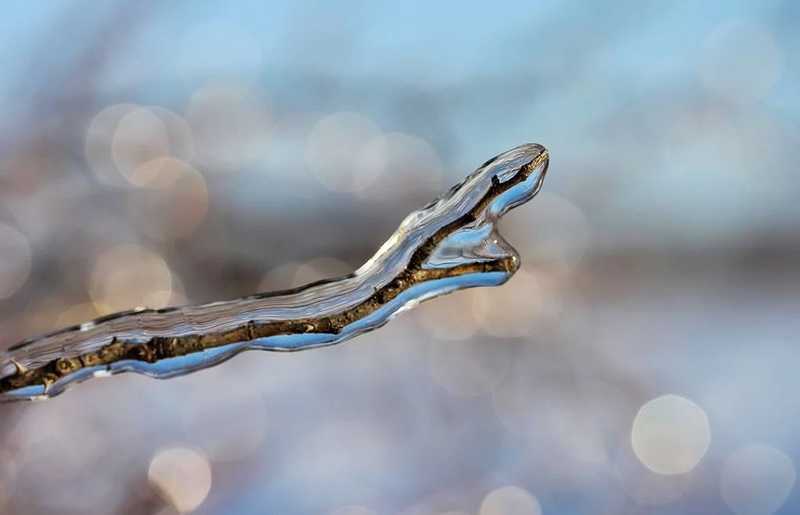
[[450, 244]]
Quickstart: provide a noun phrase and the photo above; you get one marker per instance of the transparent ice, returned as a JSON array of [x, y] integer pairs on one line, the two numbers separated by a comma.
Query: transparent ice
[[448, 245]]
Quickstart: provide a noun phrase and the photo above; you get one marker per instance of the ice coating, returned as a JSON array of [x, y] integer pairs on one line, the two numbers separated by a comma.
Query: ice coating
[[450, 244]]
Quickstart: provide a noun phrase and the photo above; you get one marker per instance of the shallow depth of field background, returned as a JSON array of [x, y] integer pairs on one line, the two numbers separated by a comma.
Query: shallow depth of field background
[[644, 360]]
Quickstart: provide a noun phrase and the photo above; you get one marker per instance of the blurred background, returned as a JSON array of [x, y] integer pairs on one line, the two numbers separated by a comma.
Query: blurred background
[[642, 361]]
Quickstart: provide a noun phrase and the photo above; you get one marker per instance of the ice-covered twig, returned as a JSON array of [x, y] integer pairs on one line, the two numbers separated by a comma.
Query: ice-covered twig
[[448, 245]]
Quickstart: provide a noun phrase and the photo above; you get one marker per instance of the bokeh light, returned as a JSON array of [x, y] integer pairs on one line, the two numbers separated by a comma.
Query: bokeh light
[[340, 152], [757, 479], [129, 276], [670, 434], [231, 124], [181, 140], [182, 476], [140, 137], [126, 143], [510, 500], [175, 201], [98, 147]]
